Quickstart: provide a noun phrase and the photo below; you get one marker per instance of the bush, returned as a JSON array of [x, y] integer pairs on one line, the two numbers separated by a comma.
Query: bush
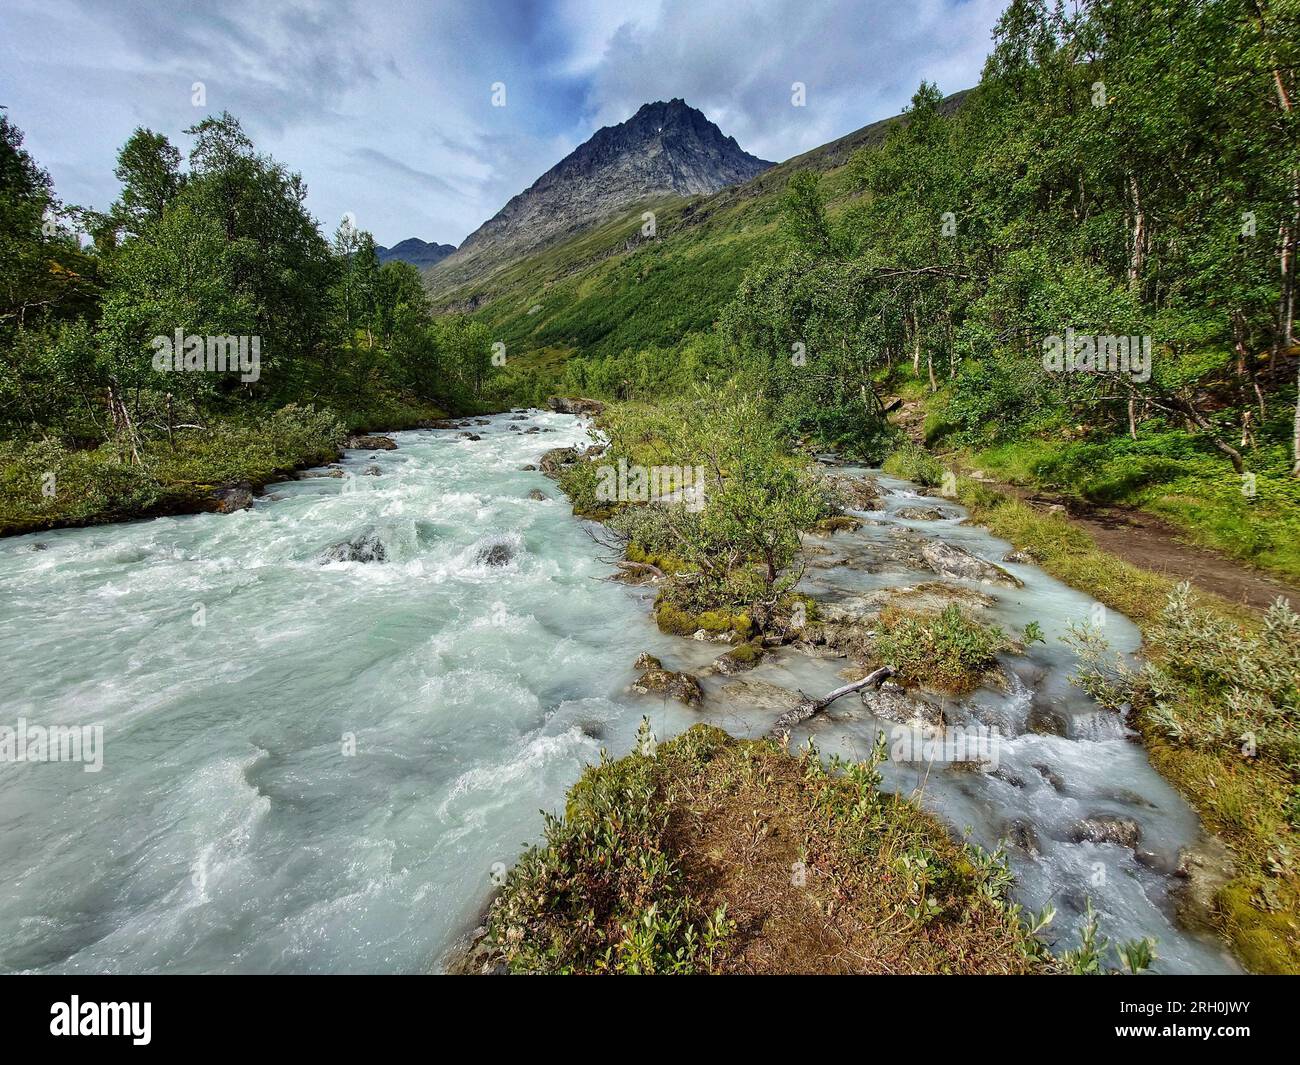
[[912, 462], [948, 651]]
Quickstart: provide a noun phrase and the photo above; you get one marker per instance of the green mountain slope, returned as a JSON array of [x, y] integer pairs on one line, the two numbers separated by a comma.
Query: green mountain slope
[[611, 289]]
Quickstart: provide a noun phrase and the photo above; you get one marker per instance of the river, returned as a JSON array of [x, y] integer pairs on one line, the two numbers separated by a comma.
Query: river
[[321, 768]]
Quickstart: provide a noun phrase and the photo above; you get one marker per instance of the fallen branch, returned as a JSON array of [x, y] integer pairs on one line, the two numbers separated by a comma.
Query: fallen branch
[[780, 730], [641, 567]]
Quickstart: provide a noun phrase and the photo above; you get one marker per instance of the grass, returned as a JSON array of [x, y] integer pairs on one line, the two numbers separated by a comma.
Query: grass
[[708, 854], [47, 484], [1249, 802], [1167, 473], [947, 651]]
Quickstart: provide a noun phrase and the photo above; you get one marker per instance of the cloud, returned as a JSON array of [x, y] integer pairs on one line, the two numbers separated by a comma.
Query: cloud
[[386, 109]]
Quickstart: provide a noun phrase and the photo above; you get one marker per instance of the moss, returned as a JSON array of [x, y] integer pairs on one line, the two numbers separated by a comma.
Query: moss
[[748, 653]]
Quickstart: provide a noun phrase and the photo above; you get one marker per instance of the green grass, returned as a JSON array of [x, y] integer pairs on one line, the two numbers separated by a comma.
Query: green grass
[[948, 651]]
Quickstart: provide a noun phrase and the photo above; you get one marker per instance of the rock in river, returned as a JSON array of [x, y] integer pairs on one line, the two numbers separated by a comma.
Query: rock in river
[[680, 686], [949, 560], [365, 547]]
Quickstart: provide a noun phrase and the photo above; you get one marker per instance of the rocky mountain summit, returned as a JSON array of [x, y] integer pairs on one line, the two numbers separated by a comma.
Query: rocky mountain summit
[[665, 149], [417, 252]]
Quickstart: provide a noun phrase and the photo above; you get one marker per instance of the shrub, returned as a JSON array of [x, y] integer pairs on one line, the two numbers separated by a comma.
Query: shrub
[[948, 651], [912, 462]]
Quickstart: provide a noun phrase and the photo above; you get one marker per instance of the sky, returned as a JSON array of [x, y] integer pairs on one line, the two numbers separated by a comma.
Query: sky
[[387, 107]]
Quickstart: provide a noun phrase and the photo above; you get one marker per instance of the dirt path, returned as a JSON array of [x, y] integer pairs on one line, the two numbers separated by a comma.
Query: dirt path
[[1154, 544], [1141, 538]]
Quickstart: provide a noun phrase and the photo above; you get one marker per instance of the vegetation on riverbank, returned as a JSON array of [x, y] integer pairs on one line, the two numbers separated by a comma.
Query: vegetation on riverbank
[[1216, 704], [200, 333], [715, 855]]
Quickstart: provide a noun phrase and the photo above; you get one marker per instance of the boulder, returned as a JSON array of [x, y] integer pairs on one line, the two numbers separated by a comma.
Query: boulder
[[949, 560], [739, 659], [469, 436], [645, 660], [538, 494], [1021, 557], [856, 493], [365, 547], [575, 405], [1106, 828], [1204, 870], [680, 686], [921, 513], [1047, 720], [370, 471], [311, 475], [557, 457], [528, 468], [366, 442], [236, 497]]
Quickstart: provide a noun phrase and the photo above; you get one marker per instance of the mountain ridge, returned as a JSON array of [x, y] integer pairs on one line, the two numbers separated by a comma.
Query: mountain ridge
[[667, 148]]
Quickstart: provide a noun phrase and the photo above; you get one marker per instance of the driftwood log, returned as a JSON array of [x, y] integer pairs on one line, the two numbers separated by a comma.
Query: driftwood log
[[796, 716]]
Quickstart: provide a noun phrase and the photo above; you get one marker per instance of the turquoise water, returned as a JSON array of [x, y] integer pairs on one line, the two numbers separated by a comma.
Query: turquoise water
[[321, 768]]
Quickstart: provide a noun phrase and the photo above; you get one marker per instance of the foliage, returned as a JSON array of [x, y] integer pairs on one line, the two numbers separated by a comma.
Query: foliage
[[948, 650]]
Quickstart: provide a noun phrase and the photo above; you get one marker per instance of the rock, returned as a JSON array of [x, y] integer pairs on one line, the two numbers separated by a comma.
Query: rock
[[1106, 828], [311, 475], [1204, 870], [365, 547], [645, 660], [482, 421], [532, 429], [237, 497], [513, 428], [949, 560], [680, 686], [528, 468], [519, 418], [1049, 775], [1021, 557], [837, 523], [921, 513], [1047, 721], [469, 436], [1020, 834], [901, 708], [38, 546], [538, 494], [371, 471], [739, 659], [557, 457], [575, 405], [495, 554], [856, 493], [372, 443], [760, 695]]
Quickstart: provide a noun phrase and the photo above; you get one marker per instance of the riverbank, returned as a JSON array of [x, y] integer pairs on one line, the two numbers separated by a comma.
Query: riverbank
[[219, 467], [865, 577], [1244, 793]]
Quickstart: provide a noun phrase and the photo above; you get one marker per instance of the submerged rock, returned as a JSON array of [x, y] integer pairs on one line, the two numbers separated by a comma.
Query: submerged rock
[[1047, 721], [365, 547], [495, 554], [739, 659], [949, 560], [680, 686], [761, 695], [901, 708]]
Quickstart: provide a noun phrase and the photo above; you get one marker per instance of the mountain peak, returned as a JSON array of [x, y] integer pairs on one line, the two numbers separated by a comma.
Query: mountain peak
[[667, 148]]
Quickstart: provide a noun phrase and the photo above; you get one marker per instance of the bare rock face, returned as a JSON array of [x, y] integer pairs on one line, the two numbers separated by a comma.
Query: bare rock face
[[665, 149], [892, 704], [680, 686], [949, 560]]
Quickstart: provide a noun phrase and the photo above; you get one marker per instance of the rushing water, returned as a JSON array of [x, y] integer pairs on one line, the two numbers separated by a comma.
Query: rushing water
[[319, 768]]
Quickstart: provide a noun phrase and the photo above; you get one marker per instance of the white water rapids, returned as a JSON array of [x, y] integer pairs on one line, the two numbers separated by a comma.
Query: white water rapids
[[231, 829]]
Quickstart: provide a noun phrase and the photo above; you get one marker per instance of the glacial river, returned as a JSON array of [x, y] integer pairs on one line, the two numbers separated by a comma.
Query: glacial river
[[314, 767]]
